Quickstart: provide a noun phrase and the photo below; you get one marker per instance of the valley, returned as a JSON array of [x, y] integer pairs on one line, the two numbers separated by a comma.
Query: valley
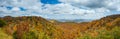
[[33, 27]]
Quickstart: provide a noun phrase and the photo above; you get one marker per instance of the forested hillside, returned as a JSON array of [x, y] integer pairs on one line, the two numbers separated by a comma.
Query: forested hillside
[[33, 27], [30, 27]]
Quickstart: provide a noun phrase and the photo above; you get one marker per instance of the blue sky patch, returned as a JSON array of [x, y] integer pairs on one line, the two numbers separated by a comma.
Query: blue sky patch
[[50, 1], [22, 9], [9, 7]]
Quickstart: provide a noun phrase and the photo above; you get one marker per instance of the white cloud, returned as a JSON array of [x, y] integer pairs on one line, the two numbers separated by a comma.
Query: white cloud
[[102, 10], [118, 9], [16, 9], [81, 8]]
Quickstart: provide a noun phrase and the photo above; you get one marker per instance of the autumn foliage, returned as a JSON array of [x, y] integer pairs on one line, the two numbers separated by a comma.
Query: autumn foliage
[[33, 27]]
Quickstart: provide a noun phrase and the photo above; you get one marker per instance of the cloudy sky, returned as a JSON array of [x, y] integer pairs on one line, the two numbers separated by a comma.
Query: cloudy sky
[[60, 9]]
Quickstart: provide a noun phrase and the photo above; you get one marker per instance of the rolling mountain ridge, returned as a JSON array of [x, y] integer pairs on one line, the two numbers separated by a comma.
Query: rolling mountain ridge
[[33, 27]]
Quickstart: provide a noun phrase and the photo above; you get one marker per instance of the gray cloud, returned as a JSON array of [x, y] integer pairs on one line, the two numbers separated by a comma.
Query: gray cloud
[[92, 4]]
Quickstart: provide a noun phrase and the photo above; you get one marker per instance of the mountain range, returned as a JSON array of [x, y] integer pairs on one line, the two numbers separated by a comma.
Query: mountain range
[[34, 27]]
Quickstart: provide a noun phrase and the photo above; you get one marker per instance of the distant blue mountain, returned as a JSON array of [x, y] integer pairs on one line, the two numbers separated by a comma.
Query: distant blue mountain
[[75, 20]]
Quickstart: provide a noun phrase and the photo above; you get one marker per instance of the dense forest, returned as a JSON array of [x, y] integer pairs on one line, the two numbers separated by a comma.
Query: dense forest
[[33, 27]]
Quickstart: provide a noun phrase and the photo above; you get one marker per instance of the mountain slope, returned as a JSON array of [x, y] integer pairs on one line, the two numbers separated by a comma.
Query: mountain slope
[[112, 20], [21, 26], [33, 27]]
